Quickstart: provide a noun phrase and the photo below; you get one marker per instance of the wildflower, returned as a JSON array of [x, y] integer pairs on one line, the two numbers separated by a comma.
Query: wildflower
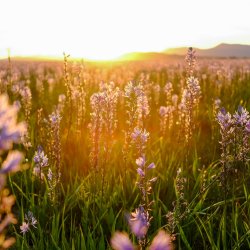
[[12, 163], [140, 172], [180, 208], [241, 120], [162, 241], [153, 179], [139, 139], [24, 228], [224, 119], [140, 161], [168, 89], [140, 134], [137, 104], [96, 126], [247, 128], [121, 241], [132, 89], [139, 222], [241, 116], [10, 130], [40, 158], [53, 180], [26, 101], [30, 220], [191, 60], [163, 111], [190, 96], [33, 222], [55, 118], [151, 165], [142, 106], [55, 141], [166, 114], [194, 89], [50, 175], [140, 219]]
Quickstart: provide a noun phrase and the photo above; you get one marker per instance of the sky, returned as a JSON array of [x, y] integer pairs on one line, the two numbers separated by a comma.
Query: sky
[[105, 29]]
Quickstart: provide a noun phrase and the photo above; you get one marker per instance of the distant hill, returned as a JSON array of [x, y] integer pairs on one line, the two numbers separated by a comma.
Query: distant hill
[[144, 56], [222, 50]]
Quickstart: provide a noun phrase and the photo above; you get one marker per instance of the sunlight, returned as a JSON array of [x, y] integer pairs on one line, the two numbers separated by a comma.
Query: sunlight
[[108, 29]]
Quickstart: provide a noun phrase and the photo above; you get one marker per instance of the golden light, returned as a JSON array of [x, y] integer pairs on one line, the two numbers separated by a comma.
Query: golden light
[[97, 29]]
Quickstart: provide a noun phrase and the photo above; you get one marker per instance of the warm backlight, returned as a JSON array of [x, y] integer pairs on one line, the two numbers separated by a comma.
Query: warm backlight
[[97, 29]]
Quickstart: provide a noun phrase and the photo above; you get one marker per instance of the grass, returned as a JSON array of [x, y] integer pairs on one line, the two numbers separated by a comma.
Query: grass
[[83, 217]]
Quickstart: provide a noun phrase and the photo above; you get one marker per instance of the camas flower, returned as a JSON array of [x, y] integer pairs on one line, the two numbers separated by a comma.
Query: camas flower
[[224, 119], [30, 220], [140, 161], [40, 158], [241, 116], [247, 128], [139, 134], [121, 241], [161, 241], [10, 130], [24, 228], [139, 222], [12, 163], [55, 118]]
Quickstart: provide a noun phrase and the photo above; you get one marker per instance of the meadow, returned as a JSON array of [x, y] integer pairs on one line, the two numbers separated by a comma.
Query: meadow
[[125, 155]]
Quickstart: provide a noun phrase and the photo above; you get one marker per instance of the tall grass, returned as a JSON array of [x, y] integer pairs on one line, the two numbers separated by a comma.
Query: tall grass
[[201, 198]]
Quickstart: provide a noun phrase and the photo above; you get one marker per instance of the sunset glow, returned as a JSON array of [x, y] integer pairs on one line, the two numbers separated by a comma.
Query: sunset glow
[[107, 29]]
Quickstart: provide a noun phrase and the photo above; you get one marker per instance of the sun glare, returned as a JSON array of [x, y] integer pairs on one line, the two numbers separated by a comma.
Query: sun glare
[[101, 30]]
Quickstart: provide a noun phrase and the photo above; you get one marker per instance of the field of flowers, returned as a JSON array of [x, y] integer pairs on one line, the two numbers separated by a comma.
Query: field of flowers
[[125, 155]]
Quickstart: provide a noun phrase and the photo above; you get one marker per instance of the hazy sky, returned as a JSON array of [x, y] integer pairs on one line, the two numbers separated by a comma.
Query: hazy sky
[[100, 29]]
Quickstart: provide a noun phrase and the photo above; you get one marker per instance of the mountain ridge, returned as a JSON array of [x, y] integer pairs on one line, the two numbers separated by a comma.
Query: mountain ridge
[[222, 50]]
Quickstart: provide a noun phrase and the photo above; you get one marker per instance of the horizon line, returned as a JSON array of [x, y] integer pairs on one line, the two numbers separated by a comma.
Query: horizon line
[[119, 57]]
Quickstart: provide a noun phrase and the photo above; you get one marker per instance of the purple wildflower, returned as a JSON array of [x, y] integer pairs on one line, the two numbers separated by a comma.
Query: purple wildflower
[[194, 89], [247, 128], [224, 119], [162, 241], [141, 135], [40, 158], [140, 161], [140, 172], [30, 220], [55, 118], [151, 165], [139, 222], [241, 116], [12, 163], [10, 131], [50, 175], [121, 241], [24, 228], [191, 60]]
